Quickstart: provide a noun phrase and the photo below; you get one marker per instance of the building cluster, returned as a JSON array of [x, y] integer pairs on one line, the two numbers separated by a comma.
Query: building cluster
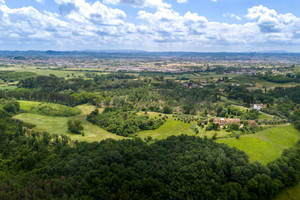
[[223, 122]]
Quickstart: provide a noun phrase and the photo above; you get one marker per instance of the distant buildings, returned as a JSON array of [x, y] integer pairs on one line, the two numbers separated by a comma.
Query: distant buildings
[[224, 121], [252, 123], [260, 106], [235, 84]]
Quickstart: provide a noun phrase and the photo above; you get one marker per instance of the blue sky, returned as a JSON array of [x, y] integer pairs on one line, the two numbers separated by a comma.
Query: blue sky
[[152, 25]]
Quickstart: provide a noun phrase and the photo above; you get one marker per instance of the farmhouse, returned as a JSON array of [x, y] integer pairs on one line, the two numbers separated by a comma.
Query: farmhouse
[[260, 106], [225, 121], [252, 123]]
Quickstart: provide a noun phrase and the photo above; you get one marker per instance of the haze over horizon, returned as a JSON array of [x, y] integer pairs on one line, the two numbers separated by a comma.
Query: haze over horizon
[[151, 25]]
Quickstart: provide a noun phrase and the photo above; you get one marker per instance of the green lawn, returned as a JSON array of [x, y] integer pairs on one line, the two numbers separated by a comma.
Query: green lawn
[[291, 193], [58, 125], [265, 145], [170, 127]]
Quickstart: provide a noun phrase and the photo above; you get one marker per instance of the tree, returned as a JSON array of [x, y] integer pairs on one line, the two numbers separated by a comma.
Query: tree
[[107, 100], [167, 109], [12, 106], [75, 126]]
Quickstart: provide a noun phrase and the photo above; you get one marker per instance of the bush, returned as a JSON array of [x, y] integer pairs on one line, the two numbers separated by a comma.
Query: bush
[[12, 106], [167, 109], [214, 137], [75, 126]]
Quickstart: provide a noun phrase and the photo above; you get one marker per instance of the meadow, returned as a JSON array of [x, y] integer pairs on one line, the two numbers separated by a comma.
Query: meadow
[[169, 128], [266, 145], [58, 125], [48, 109]]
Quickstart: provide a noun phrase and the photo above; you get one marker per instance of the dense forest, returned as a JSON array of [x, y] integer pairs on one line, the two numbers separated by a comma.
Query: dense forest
[[42, 166]]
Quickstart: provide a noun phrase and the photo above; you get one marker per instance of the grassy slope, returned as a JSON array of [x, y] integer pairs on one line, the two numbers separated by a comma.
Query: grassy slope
[[170, 127], [266, 145], [58, 125], [50, 109], [263, 116], [291, 193]]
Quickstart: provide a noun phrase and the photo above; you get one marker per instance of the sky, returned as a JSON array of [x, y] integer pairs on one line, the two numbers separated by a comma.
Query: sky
[[151, 25]]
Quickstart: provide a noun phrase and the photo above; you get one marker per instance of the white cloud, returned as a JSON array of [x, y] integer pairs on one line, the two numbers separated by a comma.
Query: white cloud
[[97, 13], [40, 1], [232, 16], [83, 25], [27, 21], [182, 1], [270, 22], [140, 3]]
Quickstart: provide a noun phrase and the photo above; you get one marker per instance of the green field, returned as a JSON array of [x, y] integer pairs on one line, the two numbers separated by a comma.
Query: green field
[[170, 127], [45, 71], [58, 125], [291, 193], [263, 116], [48, 109], [265, 145]]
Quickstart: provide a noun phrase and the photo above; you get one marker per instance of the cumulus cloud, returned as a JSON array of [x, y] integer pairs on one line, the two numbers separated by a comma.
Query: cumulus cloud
[[265, 27], [40, 1], [27, 21], [269, 21], [79, 24], [182, 1], [166, 22], [140, 3], [83, 12], [231, 15]]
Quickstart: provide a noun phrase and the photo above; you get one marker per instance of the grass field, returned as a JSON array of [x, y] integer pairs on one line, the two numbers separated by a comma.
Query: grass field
[[48, 109], [291, 193], [58, 125], [170, 127], [263, 116], [265, 145]]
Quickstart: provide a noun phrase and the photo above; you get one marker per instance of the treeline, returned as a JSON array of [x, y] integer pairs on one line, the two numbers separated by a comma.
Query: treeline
[[54, 97], [280, 78], [123, 121], [292, 93], [53, 83], [11, 76]]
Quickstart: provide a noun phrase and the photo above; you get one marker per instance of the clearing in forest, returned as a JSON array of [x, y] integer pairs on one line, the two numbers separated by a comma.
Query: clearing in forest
[[58, 125], [266, 145]]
